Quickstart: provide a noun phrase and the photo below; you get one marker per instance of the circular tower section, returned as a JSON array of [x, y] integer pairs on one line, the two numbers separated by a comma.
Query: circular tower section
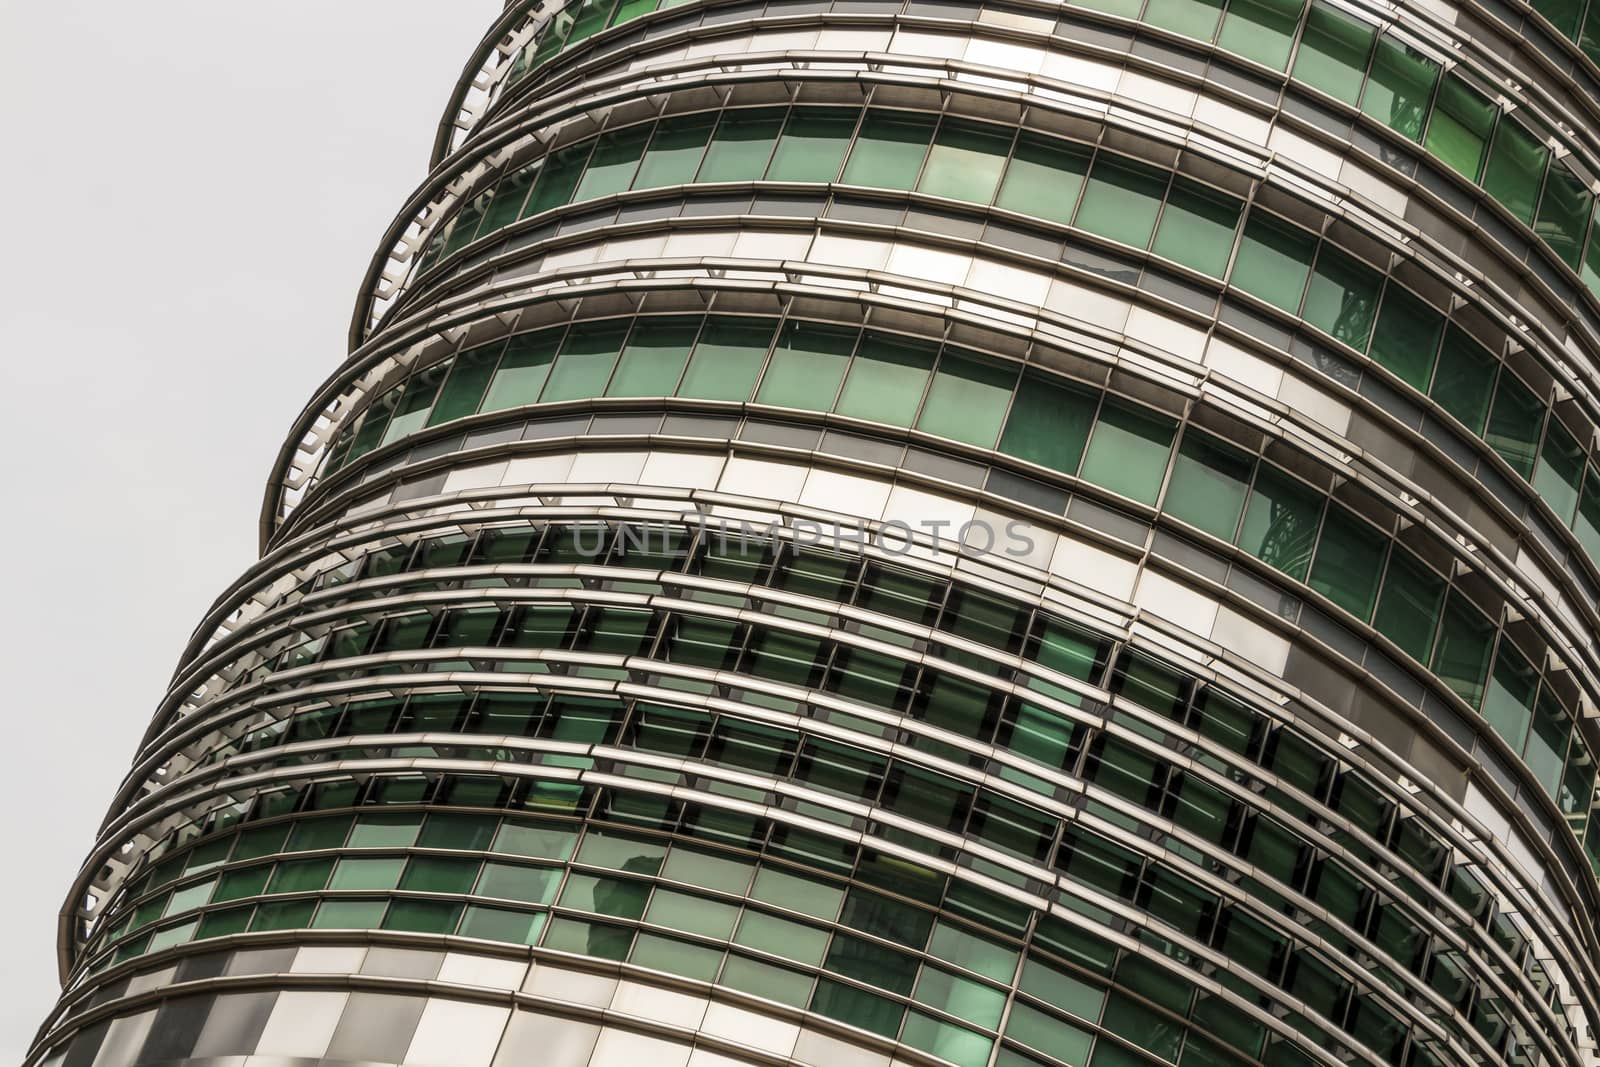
[[904, 531]]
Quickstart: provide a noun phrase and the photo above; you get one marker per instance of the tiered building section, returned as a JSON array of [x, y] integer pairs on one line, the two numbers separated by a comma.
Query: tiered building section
[[858, 531]]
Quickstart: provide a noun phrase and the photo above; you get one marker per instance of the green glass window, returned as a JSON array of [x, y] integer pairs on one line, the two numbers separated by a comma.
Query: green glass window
[[1589, 41], [1262, 30], [854, 1007], [1516, 168], [807, 366], [889, 150], [1333, 53], [1274, 261], [299, 876], [1128, 452], [1587, 522], [1280, 525], [675, 151], [1460, 127], [350, 914], [676, 957], [1400, 87], [423, 916], [1049, 423], [1590, 271], [1191, 18], [1464, 381], [629, 10], [968, 399], [1461, 658], [782, 937], [1408, 607], [742, 145], [437, 874], [465, 226], [751, 746], [385, 831], [605, 896], [1349, 562], [599, 940], [808, 896], [1048, 1034], [558, 179], [509, 196], [966, 160], [190, 897], [1061, 646], [584, 365], [502, 924], [765, 980], [367, 873], [1407, 336], [374, 422], [1041, 736], [1044, 178], [1560, 470], [727, 358], [1577, 784], [590, 18], [654, 360], [312, 834], [509, 881], [412, 409], [282, 915], [949, 1042], [522, 371], [1209, 481], [224, 922], [1197, 228], [960, 948], [1546, 751], [1515, 423], [1342, 298], [813, 144], [469, 379], [841, 769], [613, 163], [532, 839], [1121, 200], [692, 914], [1564, 214], [1564, 15], [886, 379]]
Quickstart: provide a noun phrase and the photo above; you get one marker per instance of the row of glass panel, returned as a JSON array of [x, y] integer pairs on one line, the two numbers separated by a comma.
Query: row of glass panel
[[836, 578], [1273, 849], [1527, 712], [873, 963], [1114, 198], [1033, 732], [947, 391], [1332, 52], [1041, 419], [937, 697], [1531, 720], [967, 996]]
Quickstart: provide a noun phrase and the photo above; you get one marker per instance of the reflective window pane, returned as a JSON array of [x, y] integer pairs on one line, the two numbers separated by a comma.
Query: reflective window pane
[[1128, 452], [965, 161]]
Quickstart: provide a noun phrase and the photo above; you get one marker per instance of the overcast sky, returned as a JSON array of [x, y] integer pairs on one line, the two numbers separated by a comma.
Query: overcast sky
[[193, 189]]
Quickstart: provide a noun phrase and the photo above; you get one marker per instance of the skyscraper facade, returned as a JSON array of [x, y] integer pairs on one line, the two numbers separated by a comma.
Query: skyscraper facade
[[866, 532]]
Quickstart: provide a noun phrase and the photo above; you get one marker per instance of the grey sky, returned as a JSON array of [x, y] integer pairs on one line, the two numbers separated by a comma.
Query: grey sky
[[193, 190]]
